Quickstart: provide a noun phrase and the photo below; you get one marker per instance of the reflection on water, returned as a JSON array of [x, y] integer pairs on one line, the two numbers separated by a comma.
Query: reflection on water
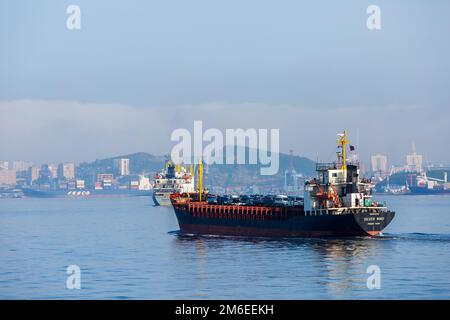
[[337, 259], [340, 257], [201, 275], [338, 266]]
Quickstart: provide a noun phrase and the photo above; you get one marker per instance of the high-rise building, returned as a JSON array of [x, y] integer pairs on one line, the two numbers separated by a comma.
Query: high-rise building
[[379, 163], [414, 161], [20, 165], [33, 173], [4, 165], [122, 166], [8, 177], [53, 170], [66, 171]]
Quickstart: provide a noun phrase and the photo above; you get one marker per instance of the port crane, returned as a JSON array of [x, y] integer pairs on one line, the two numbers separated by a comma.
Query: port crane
[[436, 179]]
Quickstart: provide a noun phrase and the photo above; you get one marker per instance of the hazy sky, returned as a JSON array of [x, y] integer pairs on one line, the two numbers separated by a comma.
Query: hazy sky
[[139, 69]]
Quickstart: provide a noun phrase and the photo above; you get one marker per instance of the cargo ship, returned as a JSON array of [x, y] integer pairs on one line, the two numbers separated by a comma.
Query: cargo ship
[[174, 179], [336, 203], [142, 189], [424, 185], [39, 193]]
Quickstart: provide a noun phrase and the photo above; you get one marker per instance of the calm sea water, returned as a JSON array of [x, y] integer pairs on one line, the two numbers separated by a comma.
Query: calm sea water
[[128, 249]]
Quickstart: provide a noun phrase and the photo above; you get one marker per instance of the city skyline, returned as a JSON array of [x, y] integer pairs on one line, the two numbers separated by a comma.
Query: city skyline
[[377, 163]]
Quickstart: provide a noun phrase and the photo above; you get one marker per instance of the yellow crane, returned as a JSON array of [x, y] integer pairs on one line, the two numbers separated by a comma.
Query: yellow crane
[[200, 180]]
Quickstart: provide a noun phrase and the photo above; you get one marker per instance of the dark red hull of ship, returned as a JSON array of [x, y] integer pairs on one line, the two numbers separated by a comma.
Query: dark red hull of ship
[[277, 222]]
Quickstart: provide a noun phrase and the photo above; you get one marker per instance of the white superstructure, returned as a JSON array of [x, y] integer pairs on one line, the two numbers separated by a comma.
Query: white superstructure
[[174, 179]]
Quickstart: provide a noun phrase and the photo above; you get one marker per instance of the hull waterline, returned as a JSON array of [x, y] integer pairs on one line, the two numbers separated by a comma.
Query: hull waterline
[[250, 225]]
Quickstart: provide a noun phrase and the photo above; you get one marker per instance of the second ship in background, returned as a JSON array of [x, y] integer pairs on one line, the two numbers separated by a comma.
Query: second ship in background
[[174, 179]]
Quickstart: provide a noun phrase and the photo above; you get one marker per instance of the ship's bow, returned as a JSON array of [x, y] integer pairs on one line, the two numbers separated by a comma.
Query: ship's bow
[[373, 223]]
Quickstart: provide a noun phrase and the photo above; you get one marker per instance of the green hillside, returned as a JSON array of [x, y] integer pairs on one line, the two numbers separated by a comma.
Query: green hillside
[[223, 175]]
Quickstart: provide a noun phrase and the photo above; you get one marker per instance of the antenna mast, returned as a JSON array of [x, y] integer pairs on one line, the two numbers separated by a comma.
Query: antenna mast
[[200, 180], [342, 143]]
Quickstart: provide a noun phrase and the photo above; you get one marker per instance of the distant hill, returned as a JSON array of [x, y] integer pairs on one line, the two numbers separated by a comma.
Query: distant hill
[[218, 175], [236, 176], [140, 163]]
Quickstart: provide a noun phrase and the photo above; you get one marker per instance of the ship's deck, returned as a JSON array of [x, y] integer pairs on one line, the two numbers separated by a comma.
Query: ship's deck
[[203, 209]]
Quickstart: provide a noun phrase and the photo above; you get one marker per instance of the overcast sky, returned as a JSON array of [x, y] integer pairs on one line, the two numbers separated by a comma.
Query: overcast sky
[[139, 69]]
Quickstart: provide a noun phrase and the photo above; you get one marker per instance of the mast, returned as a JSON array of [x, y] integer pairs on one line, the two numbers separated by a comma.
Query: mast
[[342, 143], [200, 180]]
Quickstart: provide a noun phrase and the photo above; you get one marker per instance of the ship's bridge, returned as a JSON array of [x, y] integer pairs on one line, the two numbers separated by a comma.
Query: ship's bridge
[[324, 166], [332, 173]]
